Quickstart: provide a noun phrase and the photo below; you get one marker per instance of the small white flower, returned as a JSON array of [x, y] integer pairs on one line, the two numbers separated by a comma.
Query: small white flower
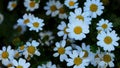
[[31, 49], [52, 8], [31, 5], [108, 40], [104, 25], [77, 30], [1, 18], [71, 4], [36, 24], [62, 50], [94, 7], [62, 27], [11, 5], [47, 65], [21, 63]]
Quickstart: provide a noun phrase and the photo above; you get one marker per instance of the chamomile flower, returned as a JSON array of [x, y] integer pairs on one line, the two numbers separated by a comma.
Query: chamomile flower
[[76, 60], [36, 24], [46, 38], [52, 8], [26, 19], [79, 15], [47, 65], [107, 60], [71, 4], [11, 5], [20, 28], [94, 7], [6, 54], [62, 27], [22, 48], [108, 40], [62, 50], [62, 13], [104, 25], [31, 5], [1, 18], [21, 63], [31, 49], [77, 30]]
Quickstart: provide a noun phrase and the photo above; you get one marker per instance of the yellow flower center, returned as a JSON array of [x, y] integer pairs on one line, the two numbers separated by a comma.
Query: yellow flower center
[[108, 40], [53, 8], [96, 56], [22, 47], [36, 24], [71, 3], [107, 58], [77, 61], [85, 54], [9, 65], [26, 21], [19, 28], [61, 50], [93, 7], [80, 17], [19, 66], [13, 5], [62, 10], [65, 30], [104, 26], [32, 4], [5, 54], [31, 49], [78, 30]]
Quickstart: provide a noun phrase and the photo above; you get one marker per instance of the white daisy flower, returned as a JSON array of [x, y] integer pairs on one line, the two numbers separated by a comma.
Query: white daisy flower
[[31, 49], [20, 28], [108, 40], [21, 63], [94, 7], [77, 30], [46, 38], [79, 15], [47, 65], [52, 8], [62, 27], [76, 60], [36, 24], [22, 48], [107, 60], [31, 5], [26, 19], [62, 13], [1, 18], [11, 5], [104, 25], [6, 54], [62, 50], [71, 4]]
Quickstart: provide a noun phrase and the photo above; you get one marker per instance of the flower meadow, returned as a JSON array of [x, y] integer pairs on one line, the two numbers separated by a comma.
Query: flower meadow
[[59, 34]]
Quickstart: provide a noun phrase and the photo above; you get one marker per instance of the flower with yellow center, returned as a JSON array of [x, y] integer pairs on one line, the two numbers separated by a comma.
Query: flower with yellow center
[[76, 60], [52, 7], [80, 16], [77, 30], [71, 4], [21, 63], [107, 59], [62, 51], [11, 5], [31, 5], [107, 40], [31, 49], [104, 25], [94, 7], [36, 24], [62, 27]]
